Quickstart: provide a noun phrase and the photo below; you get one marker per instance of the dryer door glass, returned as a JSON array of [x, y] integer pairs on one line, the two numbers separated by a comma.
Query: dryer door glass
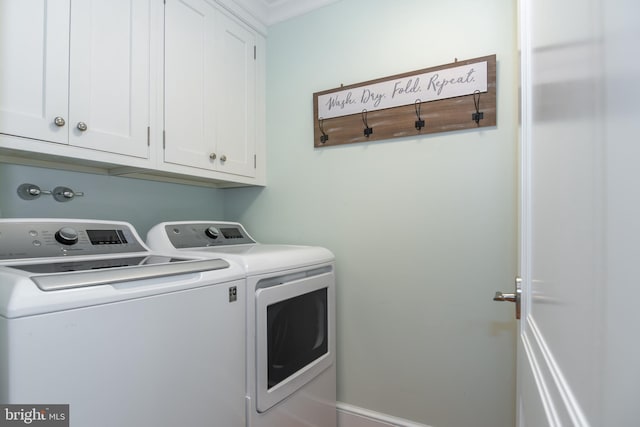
[[296, 334], [295, 327]]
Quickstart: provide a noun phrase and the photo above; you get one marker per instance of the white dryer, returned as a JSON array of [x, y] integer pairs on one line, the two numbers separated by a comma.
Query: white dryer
[[291, 344], [125, 336]]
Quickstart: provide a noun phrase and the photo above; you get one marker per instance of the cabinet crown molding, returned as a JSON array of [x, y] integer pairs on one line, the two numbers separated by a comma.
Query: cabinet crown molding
[[269, 12]]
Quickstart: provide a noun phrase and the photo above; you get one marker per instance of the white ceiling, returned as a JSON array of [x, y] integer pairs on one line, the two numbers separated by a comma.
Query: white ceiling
[[270, 12]]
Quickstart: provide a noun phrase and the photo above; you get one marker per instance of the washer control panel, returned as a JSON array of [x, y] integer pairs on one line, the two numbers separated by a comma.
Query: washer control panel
[[39, 239], [204, 234]]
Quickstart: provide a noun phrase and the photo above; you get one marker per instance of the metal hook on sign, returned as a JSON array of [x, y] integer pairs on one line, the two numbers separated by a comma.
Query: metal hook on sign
[[420, 121], [324, 137], [367, 130], [478, 115]]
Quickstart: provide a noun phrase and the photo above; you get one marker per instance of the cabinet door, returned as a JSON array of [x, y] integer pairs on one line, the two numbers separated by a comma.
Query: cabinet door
[[34, 58], [236, 96], [189, 81], [109, 76], [210, 89]]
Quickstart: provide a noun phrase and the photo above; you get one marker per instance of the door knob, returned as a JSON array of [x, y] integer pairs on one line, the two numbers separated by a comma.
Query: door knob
[[59, 121], [511, 297], [82, 126], [223, 158]]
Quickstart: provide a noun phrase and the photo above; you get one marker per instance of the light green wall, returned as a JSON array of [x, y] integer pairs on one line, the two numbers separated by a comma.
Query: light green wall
[[424, 229], [142, 203]]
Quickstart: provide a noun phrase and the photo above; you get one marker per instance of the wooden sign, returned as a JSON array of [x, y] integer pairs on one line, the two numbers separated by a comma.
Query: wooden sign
[[461, 95]]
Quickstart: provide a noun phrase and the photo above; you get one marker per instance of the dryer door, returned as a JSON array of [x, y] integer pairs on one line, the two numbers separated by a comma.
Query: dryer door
[[294, 336]]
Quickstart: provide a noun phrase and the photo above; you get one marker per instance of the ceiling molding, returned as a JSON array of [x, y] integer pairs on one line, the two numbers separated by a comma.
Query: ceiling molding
[[269, 12], [281, 10]]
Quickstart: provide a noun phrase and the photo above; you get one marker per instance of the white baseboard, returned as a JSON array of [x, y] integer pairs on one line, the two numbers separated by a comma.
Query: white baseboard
[[353, 416]]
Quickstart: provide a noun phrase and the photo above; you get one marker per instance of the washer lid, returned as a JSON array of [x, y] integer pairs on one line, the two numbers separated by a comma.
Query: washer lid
[[79, 274]]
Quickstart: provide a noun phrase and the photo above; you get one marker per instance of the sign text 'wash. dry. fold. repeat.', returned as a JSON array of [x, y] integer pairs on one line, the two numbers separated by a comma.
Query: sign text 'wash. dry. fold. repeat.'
[[431, 86]]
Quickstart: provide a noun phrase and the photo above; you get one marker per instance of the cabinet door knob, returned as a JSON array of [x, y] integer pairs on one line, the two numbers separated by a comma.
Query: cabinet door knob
[[212, 156], [223, 158], [82, 126], [59, 121]]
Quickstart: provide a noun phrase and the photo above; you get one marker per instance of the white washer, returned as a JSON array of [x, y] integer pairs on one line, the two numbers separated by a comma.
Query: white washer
[[291, 374], [90, 317]]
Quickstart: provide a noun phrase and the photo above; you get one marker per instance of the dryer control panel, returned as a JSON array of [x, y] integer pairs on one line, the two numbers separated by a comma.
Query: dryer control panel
[[54, 238], [204, 234]]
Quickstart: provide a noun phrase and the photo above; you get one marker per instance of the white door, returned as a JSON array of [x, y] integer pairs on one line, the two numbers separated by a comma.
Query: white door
[[109, 80], [578, 352], [34, 69]]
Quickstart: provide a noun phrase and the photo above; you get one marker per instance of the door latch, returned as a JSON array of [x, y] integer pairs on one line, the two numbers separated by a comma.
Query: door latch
[[512, 297]]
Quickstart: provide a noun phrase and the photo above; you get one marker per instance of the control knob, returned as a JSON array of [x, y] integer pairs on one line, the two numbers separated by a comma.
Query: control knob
[[67, 236], [212, 232]]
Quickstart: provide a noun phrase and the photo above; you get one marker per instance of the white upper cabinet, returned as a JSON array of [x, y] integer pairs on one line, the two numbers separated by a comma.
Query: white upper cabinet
[[236, 115], [109, 80], [189, 93], [210, 110], [34, 68], [76, 74], [167, 90]]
